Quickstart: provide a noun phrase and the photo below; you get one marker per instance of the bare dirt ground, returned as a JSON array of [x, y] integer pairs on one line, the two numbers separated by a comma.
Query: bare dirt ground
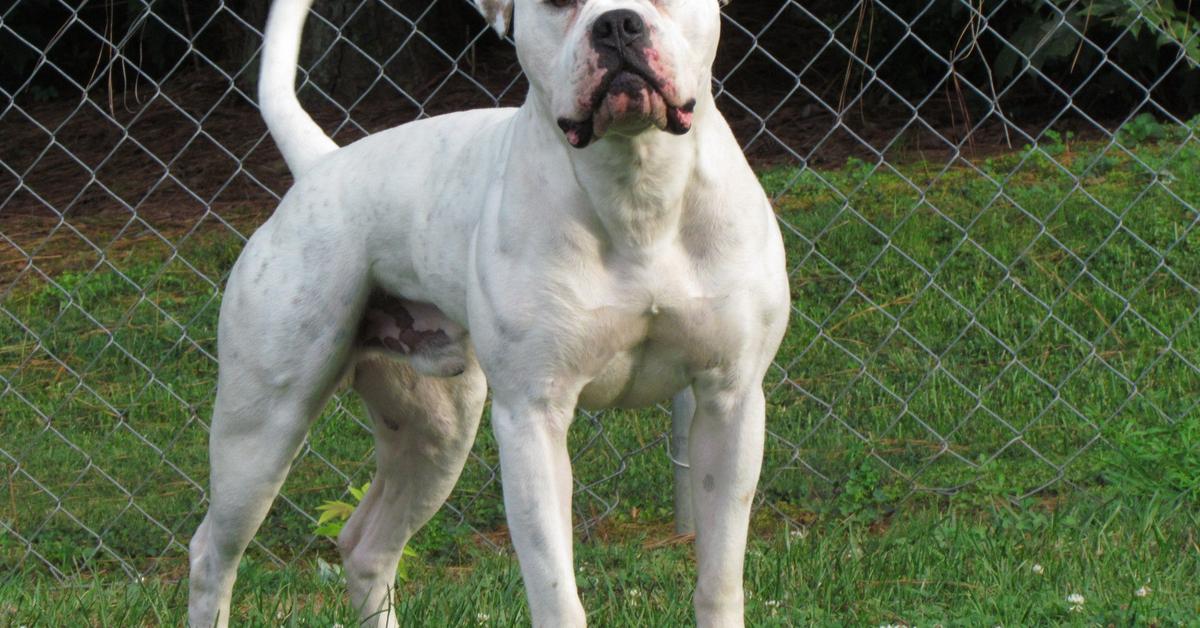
[[97, 172]]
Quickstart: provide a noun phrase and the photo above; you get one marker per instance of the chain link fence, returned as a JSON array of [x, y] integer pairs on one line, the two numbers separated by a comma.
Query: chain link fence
[[993, 256]]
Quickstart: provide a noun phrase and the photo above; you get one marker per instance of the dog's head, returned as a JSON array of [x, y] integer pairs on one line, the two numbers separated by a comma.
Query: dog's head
[[613, 66]]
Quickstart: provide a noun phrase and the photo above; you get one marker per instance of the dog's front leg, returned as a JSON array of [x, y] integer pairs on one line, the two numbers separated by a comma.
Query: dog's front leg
[[536, 471], [725, 454]]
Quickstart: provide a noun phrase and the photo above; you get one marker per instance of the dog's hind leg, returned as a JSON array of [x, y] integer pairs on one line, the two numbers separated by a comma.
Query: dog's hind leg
[[252, 449], [424, 428], [284, 340]]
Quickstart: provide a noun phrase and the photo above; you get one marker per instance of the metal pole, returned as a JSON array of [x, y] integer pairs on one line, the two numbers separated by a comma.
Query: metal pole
[[682, 409]]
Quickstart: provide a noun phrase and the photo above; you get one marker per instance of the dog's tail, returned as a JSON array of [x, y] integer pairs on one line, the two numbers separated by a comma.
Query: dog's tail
[[299, 138]]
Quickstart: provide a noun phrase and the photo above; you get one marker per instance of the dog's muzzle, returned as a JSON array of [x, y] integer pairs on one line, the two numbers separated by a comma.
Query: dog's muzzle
[[630, 96]]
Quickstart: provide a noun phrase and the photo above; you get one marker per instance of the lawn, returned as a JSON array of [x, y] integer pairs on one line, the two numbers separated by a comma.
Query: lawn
[[988, 400], [1133, 562]]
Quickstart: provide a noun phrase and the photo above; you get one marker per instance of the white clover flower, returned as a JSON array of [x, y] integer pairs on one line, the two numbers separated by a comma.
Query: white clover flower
[[1076, 601], [773, 603], [1038, 569], [634, 593], [482, 617], [1143, 591]]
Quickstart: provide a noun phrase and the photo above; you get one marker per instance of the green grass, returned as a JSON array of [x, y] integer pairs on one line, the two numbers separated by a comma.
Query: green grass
[[928, 567], [989, 366]]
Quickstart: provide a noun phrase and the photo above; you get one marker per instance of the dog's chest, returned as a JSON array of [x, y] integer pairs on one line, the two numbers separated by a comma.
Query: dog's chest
[[650, 346], [651, 371]]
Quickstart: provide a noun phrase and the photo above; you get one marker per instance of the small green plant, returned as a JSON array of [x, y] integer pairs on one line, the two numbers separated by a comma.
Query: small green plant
[[335, 514], [1142, 128], [858, 171], [333, 517], [863, 493]]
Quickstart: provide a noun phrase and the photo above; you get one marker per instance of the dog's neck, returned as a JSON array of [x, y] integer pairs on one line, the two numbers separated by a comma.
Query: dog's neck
[[637, 186]]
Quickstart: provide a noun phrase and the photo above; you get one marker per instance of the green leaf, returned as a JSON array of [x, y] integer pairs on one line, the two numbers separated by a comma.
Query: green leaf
[[402, 567], [330, 530], [359, 492], [334, 510]]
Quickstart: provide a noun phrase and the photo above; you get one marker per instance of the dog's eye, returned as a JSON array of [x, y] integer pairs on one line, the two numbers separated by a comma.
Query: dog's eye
[[562, 4]]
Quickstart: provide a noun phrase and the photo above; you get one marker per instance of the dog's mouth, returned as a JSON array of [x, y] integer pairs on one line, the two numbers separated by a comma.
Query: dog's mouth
[[628, 102]]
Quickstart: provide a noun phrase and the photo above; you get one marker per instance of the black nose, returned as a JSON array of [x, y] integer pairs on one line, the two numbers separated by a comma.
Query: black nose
[[618, 29]]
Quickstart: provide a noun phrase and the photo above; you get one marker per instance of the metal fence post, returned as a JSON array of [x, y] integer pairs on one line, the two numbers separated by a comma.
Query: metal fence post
[[683, 407]]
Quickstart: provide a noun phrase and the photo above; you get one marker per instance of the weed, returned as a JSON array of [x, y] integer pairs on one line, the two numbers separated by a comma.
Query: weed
[[332, 517], [1142, 128]]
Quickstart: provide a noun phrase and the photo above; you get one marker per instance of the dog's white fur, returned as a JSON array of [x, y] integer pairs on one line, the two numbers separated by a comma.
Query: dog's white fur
[[645, 266]]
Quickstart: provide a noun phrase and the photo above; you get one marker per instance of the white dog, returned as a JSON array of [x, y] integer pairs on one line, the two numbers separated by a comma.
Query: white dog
[[606, 245]]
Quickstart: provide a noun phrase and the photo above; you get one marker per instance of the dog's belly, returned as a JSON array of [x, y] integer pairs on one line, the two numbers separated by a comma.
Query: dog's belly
[[636, 378]]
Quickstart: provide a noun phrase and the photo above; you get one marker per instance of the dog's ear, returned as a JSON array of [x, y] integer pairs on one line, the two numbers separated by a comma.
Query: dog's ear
[[498, 13]]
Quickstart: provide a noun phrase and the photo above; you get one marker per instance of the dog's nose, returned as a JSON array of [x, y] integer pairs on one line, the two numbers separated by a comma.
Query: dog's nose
[[618, 29]]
